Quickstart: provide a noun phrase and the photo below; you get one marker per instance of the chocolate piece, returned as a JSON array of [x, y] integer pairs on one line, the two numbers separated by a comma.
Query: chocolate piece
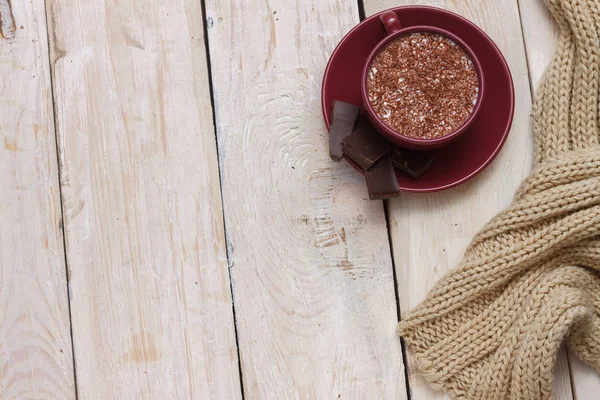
[[343, 120], [414, 163], [365, 147], [381, 180]]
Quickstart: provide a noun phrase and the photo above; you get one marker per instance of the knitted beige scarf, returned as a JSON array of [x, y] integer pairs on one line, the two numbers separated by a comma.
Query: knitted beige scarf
[[491, 329]]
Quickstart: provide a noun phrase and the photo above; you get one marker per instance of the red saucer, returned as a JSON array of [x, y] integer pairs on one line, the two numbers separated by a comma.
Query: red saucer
[[468, 155]]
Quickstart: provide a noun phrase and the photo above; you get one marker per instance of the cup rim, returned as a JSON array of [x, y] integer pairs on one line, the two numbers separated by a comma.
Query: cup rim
[[420, 142]]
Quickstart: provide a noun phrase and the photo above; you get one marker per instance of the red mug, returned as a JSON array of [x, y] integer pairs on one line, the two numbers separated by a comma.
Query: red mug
[[394, 30]]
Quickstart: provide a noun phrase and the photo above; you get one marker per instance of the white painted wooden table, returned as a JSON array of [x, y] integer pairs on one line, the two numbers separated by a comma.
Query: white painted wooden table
[[171, 225]]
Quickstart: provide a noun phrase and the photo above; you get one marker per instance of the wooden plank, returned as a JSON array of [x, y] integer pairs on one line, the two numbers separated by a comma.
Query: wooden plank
[[310, 261], [562, 384], [449, 220], [35, 342], [585, 380], [150, 294], [541, 37], [540, 34]]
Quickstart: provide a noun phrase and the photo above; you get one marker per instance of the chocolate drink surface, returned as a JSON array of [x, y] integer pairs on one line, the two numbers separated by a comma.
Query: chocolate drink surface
[[423, 85]]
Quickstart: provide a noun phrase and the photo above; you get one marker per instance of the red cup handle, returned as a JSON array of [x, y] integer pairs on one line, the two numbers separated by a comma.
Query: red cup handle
[[391, 22]]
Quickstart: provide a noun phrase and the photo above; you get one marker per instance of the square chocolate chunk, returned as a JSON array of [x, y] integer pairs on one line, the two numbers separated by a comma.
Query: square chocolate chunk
[[414, 163], [381, 180], [365, 147]]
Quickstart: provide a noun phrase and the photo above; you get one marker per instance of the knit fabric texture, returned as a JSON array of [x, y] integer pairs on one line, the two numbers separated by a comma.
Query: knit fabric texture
[[530, 280]]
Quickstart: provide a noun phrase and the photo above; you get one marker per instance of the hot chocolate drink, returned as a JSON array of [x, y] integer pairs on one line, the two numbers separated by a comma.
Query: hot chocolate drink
[[423, 85]]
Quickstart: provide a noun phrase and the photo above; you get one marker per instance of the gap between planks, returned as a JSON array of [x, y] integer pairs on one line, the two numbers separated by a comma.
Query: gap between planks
[[49, 21], [205, 22]]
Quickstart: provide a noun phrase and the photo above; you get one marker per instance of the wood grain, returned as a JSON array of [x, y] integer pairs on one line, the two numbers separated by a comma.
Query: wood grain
[[541, 36], [36, 361], [150, 293], [447, 221], [309, 255]]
